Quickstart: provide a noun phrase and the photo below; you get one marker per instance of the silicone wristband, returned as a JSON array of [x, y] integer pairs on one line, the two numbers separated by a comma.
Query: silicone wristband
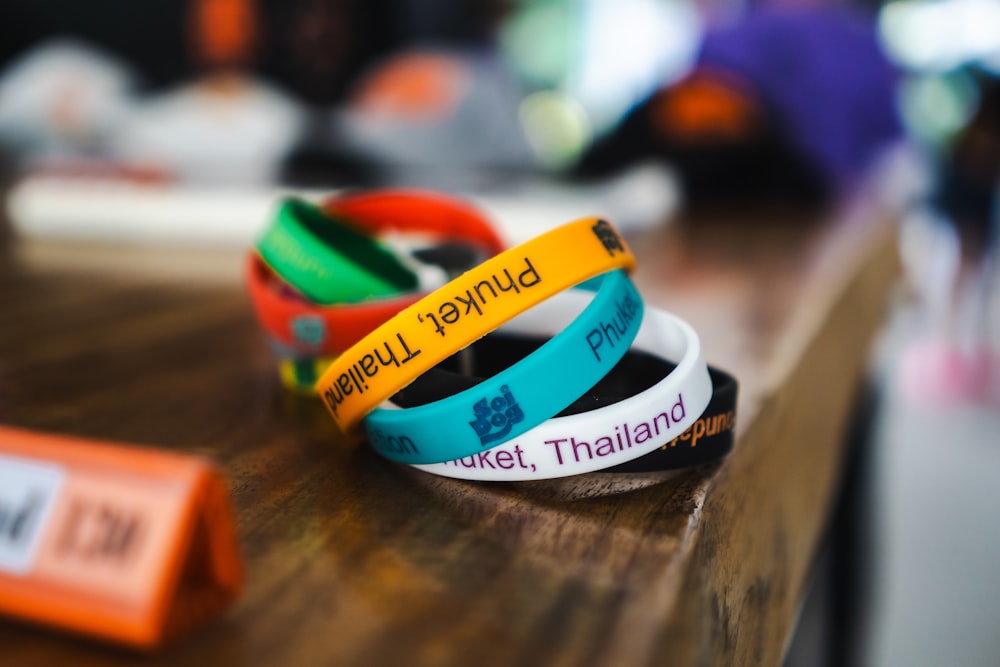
[[309, 329], [329, 262], [464, 310], [710, 438], [610, 435], [522, 396], [407, 211], [299, 374]]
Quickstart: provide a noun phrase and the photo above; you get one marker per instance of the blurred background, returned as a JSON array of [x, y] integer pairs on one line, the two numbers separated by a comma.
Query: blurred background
[[178, 121]]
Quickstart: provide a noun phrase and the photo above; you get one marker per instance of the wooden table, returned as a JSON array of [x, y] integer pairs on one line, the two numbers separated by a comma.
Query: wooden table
[[352, 560]]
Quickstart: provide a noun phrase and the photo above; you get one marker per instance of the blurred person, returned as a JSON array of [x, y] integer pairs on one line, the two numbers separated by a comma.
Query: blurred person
[[225, 126], [958, 358], [436, 116]]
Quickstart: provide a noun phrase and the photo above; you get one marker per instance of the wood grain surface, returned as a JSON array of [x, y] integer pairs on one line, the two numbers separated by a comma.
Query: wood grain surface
[[352, 560]]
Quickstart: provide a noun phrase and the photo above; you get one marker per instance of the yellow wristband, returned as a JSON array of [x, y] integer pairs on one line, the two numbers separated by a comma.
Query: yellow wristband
[[463, 311]]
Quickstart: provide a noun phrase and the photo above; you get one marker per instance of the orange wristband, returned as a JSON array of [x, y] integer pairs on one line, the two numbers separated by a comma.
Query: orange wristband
[[311, 329], [464, 310]]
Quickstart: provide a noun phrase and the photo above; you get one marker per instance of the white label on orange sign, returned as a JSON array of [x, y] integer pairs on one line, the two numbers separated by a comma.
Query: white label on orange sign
[[27, 492]]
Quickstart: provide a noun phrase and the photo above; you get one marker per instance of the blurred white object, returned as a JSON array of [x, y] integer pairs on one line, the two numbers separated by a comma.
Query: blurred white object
[[63, 98], [67, 208], [224, 129], [118, 211]]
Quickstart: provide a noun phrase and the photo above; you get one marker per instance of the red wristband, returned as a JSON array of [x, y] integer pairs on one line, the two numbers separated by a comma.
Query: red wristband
[[313, 329], [443, 217]]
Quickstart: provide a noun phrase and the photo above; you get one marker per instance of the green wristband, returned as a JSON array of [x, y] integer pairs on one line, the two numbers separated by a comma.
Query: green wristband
[[327, 260]]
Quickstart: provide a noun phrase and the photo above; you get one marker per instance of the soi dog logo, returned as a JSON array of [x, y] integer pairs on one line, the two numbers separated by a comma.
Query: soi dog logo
[[495, 418]]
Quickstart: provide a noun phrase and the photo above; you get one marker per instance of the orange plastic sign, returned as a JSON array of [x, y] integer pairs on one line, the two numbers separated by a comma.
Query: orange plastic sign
[[127, 544]]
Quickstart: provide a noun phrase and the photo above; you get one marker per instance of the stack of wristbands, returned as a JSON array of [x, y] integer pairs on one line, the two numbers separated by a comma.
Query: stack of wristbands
[[539, 361], [323, 276]]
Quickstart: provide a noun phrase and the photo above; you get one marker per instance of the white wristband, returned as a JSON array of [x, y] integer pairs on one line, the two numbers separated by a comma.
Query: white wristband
[[606, 436]]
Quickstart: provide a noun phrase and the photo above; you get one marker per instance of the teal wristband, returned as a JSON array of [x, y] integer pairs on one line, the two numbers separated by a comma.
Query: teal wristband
[[329, 261], [522, 396]]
